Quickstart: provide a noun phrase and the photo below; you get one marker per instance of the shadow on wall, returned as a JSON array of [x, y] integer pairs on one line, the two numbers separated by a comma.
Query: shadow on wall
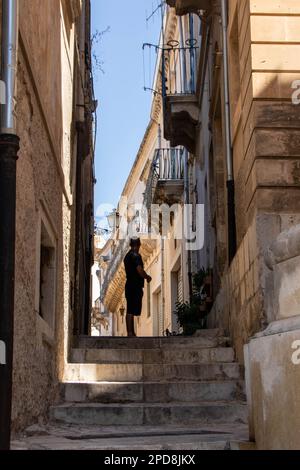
[[42, 215]]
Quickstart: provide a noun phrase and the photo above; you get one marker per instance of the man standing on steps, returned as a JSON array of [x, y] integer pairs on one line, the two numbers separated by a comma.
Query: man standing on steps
[[134, 288]]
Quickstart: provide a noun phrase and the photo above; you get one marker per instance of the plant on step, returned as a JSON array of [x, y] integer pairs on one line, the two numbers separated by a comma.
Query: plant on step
[[202, 290], [191, 316], [188, 317]]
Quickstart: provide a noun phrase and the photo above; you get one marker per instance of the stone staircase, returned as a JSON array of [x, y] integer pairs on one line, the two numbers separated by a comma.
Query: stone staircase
[[143, 393]]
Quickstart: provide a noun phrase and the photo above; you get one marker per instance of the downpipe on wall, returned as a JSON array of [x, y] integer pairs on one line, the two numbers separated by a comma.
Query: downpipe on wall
[[9, 146], [162, 266], [188, 221], [186, 160], [229, 156]]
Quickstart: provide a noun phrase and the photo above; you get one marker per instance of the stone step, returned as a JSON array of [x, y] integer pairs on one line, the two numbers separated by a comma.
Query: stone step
[[152, 356], [93, 437], [152, 372], [186, 443], [205, 339], [149, 414], [153, 392]]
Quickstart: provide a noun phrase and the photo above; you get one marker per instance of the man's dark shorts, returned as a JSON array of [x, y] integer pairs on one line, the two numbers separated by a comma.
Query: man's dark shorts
[[134, 298]]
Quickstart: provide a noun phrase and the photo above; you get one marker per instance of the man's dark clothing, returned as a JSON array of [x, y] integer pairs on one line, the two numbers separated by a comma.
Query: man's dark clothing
[[134, 283]]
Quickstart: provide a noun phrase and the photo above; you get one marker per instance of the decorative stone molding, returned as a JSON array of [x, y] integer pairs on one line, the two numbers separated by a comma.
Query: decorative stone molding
[[283, 291], [279, 327], [184, 7], [182, 115], [285, 247], [169, 192]]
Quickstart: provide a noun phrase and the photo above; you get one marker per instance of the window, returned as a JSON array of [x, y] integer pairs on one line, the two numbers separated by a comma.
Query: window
[[47, 276]]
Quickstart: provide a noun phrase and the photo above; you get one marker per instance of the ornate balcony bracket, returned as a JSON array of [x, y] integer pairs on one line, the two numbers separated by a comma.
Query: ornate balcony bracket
[[169, 192], [183, 7], [181, 120]]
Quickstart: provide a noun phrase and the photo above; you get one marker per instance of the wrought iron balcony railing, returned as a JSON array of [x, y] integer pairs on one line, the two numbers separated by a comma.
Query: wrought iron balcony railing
[[179, 68], [114, 264], [167, 165]]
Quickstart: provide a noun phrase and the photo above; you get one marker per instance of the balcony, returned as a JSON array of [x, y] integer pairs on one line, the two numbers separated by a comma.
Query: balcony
[[166, 180], [181, 108], [184, 7]]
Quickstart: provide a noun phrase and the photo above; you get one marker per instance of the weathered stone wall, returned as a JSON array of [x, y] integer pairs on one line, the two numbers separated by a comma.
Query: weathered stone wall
[[43, 190], [272, 357], [264, 51], [273, 374], [245, 302], [265, 123], [239, 300], [34, 364]]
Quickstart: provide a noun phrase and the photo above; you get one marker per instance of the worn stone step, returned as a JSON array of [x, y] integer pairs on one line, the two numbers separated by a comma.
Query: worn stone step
[[151, 372], [205, 339], [152, 392], [150, 414], [150, 356], [66, 437], [186, 443]]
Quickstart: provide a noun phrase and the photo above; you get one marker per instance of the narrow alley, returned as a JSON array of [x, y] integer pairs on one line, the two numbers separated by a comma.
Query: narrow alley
[[166, 318]]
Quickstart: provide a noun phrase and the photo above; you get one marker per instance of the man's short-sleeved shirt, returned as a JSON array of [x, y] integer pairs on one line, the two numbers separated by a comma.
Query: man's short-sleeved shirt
[[131, 261]]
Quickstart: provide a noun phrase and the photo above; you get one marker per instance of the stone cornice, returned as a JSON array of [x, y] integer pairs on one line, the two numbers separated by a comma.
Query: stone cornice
[[183, 7]]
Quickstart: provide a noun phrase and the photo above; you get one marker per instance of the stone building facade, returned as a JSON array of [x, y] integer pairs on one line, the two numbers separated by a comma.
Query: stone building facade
[[226, 73], [54, 221], [257, 294]]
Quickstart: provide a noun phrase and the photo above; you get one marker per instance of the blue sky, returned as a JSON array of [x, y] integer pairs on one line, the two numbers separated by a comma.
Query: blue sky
[[124, 106]]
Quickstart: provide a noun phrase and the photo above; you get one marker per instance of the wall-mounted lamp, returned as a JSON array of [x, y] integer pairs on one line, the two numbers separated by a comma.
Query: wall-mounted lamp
[[113, 220], [122, 311]]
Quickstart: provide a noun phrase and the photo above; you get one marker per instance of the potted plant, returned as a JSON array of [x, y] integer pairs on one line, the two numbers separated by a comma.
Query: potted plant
[[188, 317], [191, 316]]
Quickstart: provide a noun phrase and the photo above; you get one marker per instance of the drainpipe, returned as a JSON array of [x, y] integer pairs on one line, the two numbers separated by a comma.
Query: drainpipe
[[186, 163], [183, 57], [9, 146], [163, 299], [162, 266], [187, 202], [229, 155]]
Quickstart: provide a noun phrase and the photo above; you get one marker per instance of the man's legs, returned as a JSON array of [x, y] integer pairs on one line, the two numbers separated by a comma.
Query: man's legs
[[130, 325]]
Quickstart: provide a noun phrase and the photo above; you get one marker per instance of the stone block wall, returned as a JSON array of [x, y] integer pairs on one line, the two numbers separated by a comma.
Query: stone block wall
[[43, 193], [272, 356], [239, 302], [264, 55]]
